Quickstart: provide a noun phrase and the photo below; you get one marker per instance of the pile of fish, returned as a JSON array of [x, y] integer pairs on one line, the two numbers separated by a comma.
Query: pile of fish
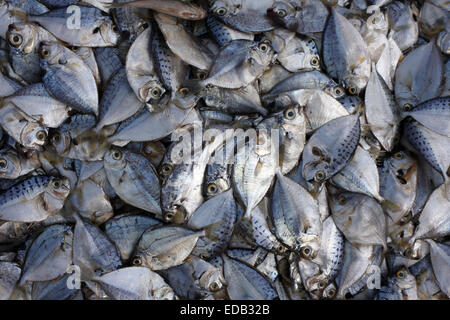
[[225, 149]]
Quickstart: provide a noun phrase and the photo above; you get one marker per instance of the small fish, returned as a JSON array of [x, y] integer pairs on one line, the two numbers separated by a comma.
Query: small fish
[[68, 78], [34, 199], [165, 247], [345, 53], [247, 16], [175, 8], [245, 283], [49, 255], [95, 29], [303, 17], [135, 283], [134, 179], [326, 154]]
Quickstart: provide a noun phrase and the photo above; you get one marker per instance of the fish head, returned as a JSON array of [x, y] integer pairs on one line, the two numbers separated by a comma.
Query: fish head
[[225, 8], [51, 53], [330, 291], [291, 116], [402, 165], [109, 32], [316, 286], [336, 91], [309, 247], [403, 279], [212, 280], [315, 170], [22, 37], [9, 165], [55, 194], [342, 203], [33, 135], [355, 82], [284, 13], [60, 141], [116, 159], [216, 186], [262, 53], [175, 214], [151, 92]]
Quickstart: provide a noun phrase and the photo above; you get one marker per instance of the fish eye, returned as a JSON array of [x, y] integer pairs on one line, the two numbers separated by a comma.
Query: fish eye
[[352, 90], [137, 261], [56, 138], [145, 25], [212, 188], [166, 169], [3, 163], [115, 28], [407, 107], [183, 91], [316, 151], [263, 47], [289, 114], [306, 251], [331, 293], [214, 286], [56, 183], [15, 40], [74, 48], [156, 92], [314, 62], [409, 252], [41, 135], [282, 13], [319, 176], [204, 256], [117, 155], [401, 274], [202, 75], [221, 11], [45, 53], [338, 91], [281, 249], [398, 155], [168, 216], [342, 200], [322, 284], [96, 30]]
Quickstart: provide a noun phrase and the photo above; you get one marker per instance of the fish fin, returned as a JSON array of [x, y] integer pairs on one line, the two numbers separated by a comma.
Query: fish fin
[[389, 205]]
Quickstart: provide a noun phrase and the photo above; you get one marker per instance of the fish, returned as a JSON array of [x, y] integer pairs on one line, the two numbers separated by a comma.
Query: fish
[[303, 17], [187, 11], [345, 53], [68, 78], [134, 179], [94, 29], [34, 199], [325, 155], [165, 247], [238, 64], [51, 262], [247, 16]]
